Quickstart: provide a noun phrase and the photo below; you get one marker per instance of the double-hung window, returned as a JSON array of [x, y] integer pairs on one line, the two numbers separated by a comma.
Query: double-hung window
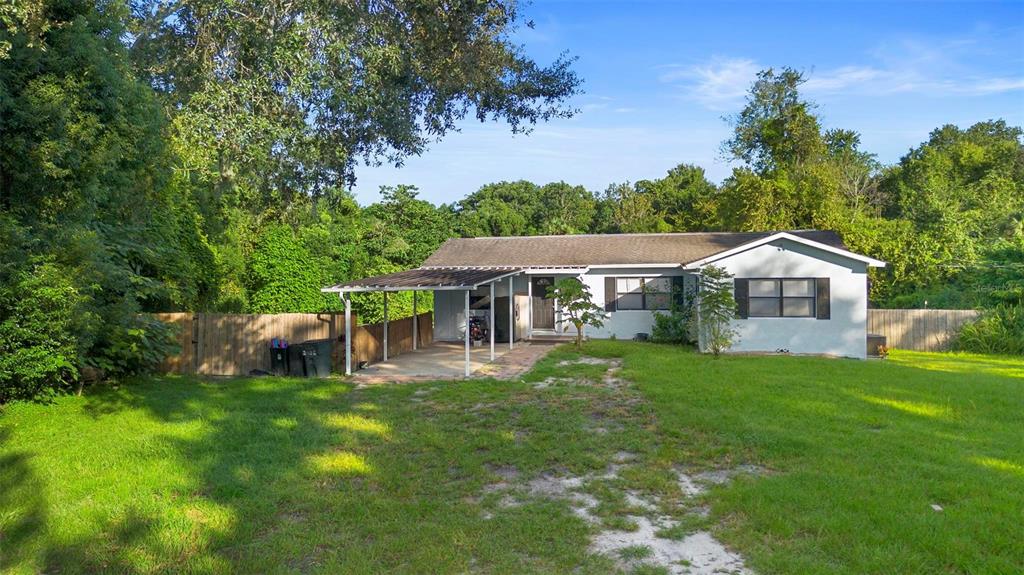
[[782, 297], [643, 293]]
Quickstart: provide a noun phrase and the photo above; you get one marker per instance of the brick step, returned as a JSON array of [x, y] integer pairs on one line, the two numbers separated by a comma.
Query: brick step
[[552, 338]]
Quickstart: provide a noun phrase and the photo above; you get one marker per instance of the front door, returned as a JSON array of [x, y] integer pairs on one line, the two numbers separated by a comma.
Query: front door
[[543, 307]]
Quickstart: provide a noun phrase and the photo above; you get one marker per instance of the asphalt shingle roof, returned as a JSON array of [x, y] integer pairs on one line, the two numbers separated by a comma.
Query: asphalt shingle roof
[[607, 249]]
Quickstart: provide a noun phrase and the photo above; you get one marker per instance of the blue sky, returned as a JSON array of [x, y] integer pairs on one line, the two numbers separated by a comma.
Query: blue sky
[[659, 77]]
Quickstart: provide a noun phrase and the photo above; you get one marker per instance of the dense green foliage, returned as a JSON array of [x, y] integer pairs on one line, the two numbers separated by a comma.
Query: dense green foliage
[[38, 350], [678, 325], [999, 330], [92, 234]]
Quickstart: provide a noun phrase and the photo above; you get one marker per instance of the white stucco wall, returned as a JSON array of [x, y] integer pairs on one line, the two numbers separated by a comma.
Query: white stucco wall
[[843, 335], [623, 324]]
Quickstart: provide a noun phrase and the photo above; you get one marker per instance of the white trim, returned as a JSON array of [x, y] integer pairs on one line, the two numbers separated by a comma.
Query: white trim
[[511, 313], [693, 266], [480, 268], [556, 271], [348, 333], [407, 289], [490, 322], [501, 268], [529, 309], [634, 266], [467, 334], [423, 287]]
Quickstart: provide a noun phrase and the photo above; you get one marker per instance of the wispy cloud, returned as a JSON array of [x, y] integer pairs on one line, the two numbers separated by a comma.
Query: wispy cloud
[[721, 82], [991, 86], [717, 84], [842, 78]]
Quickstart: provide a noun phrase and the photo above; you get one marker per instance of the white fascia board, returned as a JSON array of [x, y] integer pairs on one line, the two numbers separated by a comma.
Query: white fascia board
[[501, 277], [424, 287], [407, 289], [556, 271], [872, 262], [395, 289], [635, 266]]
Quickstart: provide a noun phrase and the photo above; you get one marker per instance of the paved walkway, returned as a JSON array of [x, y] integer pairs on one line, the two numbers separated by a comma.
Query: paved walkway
[[446, 361], [516, 362]]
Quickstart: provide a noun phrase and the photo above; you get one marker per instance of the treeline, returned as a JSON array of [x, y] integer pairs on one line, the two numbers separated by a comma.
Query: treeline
[[195, 155]]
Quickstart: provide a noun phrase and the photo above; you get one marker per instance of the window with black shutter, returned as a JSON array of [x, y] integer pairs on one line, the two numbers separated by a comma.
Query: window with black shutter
[[633, 293], [784, 297]]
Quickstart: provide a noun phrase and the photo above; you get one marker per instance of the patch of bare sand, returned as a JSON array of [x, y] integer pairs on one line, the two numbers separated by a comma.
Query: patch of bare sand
[[698, 553]]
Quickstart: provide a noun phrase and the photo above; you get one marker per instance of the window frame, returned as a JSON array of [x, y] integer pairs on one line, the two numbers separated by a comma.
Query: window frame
[[782, 297], [643, 293]]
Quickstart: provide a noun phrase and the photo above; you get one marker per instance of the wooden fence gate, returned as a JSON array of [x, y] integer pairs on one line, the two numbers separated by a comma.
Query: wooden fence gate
[[236, 344], [918, 329]]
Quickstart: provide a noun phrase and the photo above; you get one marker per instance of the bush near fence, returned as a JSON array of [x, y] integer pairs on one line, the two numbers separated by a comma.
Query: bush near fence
[[236, 344]]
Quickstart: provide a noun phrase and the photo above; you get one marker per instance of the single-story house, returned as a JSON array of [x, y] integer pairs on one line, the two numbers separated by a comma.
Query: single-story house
[[799, 291]]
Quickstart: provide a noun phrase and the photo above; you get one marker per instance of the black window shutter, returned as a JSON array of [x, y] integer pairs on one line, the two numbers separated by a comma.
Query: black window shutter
[[824, 299], [679, 291], [741, 290], [609, 294]]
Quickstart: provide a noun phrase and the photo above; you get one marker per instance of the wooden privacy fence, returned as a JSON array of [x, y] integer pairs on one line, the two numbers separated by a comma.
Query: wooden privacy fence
[[236, 344], [918, 329]]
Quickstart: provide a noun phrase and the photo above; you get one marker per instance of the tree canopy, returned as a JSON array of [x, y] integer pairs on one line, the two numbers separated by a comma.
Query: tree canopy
[[285, 97]]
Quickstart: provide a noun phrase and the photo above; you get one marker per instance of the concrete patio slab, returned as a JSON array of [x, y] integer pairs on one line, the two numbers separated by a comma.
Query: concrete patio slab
[[446, 360]]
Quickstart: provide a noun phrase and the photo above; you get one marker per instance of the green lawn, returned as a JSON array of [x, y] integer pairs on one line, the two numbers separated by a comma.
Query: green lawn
[[294, 476]]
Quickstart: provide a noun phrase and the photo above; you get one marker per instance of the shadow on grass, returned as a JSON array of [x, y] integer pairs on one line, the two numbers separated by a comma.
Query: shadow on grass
[[21, 499], [266, 475], [239, 444]]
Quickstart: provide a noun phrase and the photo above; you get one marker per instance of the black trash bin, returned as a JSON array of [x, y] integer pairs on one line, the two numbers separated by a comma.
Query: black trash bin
[[279, 360], [316, 357], [295, 360]]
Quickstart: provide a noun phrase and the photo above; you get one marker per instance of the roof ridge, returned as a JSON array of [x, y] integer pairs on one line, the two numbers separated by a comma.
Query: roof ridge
[[643, 234]]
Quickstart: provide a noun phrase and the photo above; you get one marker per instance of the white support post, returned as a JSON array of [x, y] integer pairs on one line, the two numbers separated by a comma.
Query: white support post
[[511, 312], [467, 333], [385, 326], [415, 323], [529, 308], [558, 318], [348, 333], [491, 321]]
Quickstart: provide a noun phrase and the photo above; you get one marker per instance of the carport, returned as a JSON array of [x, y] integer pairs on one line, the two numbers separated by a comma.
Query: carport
[[428, 279]]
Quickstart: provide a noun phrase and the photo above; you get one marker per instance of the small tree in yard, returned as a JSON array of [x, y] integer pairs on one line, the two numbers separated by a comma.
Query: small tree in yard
[[716, 309], [576, 303]]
